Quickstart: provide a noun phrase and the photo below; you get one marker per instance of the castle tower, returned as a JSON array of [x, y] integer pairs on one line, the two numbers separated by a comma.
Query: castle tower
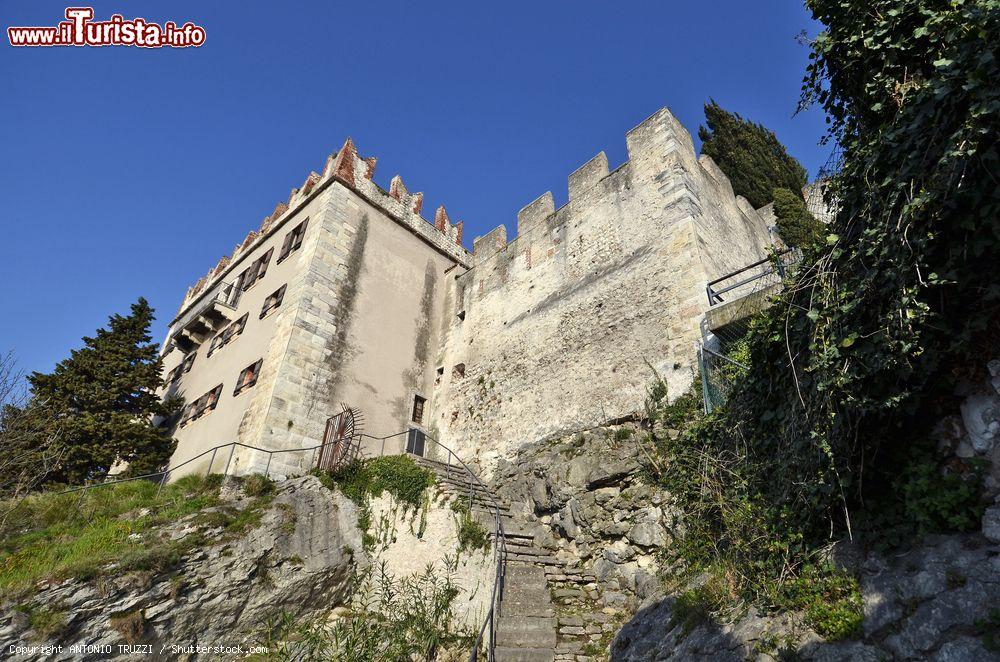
[[333, 302]]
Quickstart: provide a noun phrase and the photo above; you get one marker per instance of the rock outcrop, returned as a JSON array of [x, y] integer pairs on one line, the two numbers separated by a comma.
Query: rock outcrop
[[300, 559], [939, 601]]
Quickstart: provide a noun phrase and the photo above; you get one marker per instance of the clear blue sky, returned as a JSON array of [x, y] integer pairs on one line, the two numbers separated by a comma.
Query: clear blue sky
[[128, 172]]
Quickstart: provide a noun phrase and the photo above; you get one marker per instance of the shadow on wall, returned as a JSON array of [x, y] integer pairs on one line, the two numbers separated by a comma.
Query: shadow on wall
[[665, 630]]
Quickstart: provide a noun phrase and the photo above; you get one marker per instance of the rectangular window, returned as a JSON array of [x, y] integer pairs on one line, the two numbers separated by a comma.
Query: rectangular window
[[202, 405], [248, 377], [418, 409], [228, 334], [415, 440], [183, 367], [273, 301], [255, 271], [175, 374], [292, 240]]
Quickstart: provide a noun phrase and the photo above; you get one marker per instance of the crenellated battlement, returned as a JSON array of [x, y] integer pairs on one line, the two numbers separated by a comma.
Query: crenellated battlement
[[660, 136], [566, 318], [347, 167]]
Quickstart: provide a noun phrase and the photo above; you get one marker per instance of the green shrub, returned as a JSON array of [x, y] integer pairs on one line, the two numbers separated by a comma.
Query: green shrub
[[471, 534], [831, 600], [45, 621], [398, 475], [257, 485]]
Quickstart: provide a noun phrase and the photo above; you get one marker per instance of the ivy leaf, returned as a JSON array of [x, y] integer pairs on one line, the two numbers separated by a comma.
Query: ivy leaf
[[813, 314], [943, 62], [832, 238]]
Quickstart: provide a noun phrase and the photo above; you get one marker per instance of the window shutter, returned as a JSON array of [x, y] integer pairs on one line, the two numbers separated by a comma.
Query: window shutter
[[264, 260], [286, 247], [300, 232]]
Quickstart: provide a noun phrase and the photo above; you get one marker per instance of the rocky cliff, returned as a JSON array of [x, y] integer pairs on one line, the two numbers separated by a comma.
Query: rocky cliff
[[300, 559]]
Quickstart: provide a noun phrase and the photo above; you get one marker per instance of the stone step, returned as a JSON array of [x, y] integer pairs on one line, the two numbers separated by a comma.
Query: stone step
[[526, 631], [526, 572], [538, 559], [507, 654]]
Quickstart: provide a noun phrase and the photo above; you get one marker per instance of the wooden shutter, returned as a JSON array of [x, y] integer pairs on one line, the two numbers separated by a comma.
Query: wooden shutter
[[300, 232]]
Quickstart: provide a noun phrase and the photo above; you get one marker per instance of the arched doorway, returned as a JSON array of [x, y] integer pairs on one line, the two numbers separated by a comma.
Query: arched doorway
[[340, 439]]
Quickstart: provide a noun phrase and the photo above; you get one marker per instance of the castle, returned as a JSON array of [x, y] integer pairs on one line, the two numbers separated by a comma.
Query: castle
[[347, 300]]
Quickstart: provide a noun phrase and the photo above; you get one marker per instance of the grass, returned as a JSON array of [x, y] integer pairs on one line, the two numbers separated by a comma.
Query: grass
[[78, 535]]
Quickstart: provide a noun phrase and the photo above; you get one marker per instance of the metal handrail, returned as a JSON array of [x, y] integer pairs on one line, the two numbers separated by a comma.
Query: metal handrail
[[777, 266], [488, 626]]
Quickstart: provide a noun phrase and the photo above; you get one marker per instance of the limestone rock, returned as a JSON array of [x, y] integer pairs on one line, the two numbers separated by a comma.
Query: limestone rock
[[223, 593]]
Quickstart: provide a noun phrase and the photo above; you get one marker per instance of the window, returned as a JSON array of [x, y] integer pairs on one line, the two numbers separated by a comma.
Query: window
[[248, 377], [439, 375], [418, 409], [202, 405], [273, 301], [292, 240], [229, 333], [182, 367], [255, 271], [458, 372]]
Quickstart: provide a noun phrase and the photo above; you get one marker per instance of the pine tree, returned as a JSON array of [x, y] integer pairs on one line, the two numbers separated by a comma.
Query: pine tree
[[796, 225], [750, 155], [102, 399]]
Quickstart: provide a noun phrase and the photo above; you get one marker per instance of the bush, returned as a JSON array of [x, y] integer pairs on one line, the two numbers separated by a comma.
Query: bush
[[398, 475], [471, 534]]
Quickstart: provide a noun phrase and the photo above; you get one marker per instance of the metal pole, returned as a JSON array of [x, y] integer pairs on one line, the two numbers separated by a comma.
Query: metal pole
[[230, 461], [162, 481], [268, 469], [211, 463]]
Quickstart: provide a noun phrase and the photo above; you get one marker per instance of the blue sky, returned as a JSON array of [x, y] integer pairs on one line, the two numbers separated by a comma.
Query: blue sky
[[129, 172]]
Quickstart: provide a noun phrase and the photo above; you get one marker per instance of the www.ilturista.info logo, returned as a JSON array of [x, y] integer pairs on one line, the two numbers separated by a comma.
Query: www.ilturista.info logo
[[80, 30]]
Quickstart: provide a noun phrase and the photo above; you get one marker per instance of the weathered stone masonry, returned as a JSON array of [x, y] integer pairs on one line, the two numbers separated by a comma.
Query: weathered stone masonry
[[557, 330], [560, 328]]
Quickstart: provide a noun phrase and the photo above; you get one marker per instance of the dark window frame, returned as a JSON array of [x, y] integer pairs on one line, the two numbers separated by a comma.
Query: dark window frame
[[292, 241], [202, 406], [419, 408], [273, 301], [254, 370], [228, 334], [257, 269]]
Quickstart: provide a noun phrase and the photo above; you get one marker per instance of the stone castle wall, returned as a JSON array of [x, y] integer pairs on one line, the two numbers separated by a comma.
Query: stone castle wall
[[560, 329]]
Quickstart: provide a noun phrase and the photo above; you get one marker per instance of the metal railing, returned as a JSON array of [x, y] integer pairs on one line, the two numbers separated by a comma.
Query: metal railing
[[487, 631], [776, 263]]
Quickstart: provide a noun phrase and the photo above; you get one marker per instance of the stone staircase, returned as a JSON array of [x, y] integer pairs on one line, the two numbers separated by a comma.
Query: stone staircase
[[544, 613]]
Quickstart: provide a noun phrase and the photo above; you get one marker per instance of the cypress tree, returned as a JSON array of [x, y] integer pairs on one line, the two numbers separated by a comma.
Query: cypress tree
[[750, 155], [101, 401], [796, 225]]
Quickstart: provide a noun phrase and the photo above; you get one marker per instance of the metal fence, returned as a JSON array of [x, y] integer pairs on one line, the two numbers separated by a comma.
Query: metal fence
[[723, 352], [486, 636]]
